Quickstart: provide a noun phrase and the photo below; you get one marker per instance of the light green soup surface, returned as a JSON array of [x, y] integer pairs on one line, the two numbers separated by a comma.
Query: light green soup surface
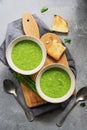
[[55, 82], [26, 55]]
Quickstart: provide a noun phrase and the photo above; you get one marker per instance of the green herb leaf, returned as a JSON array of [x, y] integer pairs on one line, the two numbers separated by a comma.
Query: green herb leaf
[[83, 104], [43, 9], [67, 40], [26, 80]]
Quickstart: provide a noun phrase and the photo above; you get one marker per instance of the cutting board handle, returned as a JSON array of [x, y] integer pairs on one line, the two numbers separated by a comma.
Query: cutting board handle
[[30, 26]]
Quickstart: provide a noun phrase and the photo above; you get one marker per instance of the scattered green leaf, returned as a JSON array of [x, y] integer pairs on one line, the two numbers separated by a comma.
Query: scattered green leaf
[[67, 40], [83, 104], [43, 9]]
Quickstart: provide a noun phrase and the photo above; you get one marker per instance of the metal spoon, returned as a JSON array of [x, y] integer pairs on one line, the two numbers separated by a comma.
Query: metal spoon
[[11, 88], [80, 96]]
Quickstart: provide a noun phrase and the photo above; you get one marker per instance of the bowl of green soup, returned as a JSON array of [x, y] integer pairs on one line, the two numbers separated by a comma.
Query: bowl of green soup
[[26, 55], [55, 83]]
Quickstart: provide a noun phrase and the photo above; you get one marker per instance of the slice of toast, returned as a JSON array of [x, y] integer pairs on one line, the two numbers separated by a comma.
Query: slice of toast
[[56, 50], [60, 24]]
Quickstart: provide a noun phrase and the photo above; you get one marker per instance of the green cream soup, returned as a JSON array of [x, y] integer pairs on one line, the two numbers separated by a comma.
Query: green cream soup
[[55, 82], [26, 55]]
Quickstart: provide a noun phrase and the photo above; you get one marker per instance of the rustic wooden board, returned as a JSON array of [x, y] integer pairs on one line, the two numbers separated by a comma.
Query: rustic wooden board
[[32, 99]]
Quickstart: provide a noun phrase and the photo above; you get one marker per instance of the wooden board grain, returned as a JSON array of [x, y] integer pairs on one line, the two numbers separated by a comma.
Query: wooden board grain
[[32, 99], [30, 26]]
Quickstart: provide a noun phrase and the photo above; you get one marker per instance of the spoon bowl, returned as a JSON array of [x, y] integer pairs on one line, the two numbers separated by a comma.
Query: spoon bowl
[[81, 94], [9, 87]]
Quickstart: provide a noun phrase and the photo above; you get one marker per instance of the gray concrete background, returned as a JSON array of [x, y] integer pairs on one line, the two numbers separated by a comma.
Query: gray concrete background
[[12, 116]]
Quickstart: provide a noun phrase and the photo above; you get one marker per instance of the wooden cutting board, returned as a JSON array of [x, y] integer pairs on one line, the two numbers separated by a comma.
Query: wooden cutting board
[[32, 99]]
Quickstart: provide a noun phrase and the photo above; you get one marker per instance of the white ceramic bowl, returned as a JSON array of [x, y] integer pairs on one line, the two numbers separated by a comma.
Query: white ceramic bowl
[[63, 98], [9, 58]]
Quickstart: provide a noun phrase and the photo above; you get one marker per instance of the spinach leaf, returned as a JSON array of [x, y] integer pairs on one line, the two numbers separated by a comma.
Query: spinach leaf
[[67, 40], [83, 104], [43, 9]]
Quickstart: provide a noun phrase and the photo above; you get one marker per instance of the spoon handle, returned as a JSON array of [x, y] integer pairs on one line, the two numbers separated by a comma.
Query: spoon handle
[[28, 112], [65, 113]]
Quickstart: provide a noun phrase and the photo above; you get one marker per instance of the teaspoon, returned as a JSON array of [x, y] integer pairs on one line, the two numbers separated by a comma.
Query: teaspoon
[[11, 88], [80, 96]]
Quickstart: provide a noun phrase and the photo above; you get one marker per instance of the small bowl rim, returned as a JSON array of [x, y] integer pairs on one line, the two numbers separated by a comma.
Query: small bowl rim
[[67, 95], [13, 43]]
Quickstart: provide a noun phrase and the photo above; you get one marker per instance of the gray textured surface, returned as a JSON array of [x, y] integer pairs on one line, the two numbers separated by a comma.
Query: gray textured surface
[[12, 116]]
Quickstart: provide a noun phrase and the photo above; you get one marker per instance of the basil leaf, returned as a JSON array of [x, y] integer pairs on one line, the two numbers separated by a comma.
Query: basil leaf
[[43, 9], [83, 104], [67, 40]]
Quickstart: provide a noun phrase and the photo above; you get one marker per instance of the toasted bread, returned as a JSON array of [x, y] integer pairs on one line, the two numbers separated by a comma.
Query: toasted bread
[[60, 24], [56, 50]]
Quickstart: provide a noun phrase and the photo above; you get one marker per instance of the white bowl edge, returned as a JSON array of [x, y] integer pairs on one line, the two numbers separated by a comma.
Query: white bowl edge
[[65, 97], [9, 50]]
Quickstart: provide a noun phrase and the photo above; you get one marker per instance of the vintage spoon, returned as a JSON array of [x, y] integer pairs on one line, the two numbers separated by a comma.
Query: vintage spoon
[[11, 88], [80, 96]]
